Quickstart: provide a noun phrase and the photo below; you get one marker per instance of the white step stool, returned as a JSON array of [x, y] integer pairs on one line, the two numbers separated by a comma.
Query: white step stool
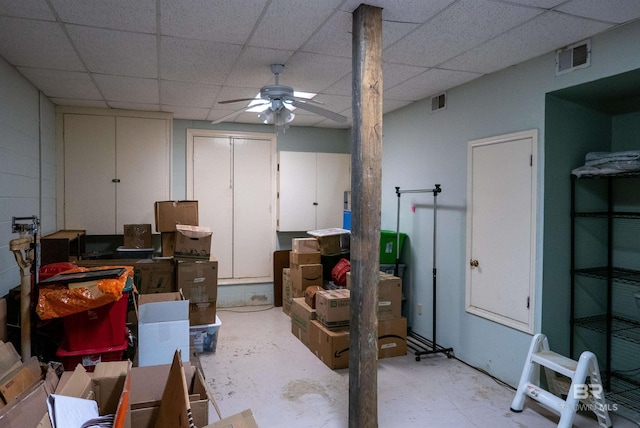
[[592, 395]]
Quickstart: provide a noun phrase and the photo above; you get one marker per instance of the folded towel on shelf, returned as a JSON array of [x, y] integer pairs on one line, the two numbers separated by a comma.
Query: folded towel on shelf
[[598, 158], [602, 163]]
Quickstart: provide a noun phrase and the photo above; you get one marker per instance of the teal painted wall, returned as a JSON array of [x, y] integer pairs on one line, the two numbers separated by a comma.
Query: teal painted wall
[[571, 131], [421, 149]]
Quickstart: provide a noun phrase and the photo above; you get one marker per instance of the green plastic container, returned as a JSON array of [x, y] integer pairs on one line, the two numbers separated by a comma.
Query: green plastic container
[[388, 244]]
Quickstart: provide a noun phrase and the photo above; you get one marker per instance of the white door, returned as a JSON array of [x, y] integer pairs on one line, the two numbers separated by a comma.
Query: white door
[[213, 189], [89, 171], [501, 229], [333, 179], [297, 191], [253, 208], [142, 168], [233, 180]]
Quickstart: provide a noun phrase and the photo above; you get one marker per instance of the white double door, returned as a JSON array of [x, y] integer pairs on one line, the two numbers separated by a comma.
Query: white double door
[[233, 179]]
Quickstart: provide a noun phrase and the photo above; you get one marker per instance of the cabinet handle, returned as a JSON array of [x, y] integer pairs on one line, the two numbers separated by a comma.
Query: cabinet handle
[[474, 263], [315, 203], [115, 180]]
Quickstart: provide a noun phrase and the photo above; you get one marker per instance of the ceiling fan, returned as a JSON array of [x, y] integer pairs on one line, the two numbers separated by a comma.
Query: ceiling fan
[[276, 97]]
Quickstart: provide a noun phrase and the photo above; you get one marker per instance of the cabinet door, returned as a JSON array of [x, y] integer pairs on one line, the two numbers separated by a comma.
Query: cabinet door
[[89, 171], [296, 191], [142, 166], [333, 171]]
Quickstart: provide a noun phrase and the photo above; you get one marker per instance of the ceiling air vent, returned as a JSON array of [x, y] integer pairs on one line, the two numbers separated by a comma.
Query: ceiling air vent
[[573, 57], [439, 102]]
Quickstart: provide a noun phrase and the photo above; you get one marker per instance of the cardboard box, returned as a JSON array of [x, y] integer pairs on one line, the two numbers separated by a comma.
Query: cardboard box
[[289, 292], [304, 245], [304, 258], [137, 236], [330, 240], [301, 317], [168, 243], [163, 327], [30, 407], [10, 360], [302, 276], [331, 346], [20, 380], [148, 385], [109, 386], [170, 213], [192, 242], [333, 307], [198, 280], [310, 295], [392, 338], [389, 296], [243, 419], [150, 275]]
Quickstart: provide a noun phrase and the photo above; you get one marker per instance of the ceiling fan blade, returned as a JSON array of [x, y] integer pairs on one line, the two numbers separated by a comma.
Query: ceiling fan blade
[[303, 100], [237, 112], [238, 100], [321, 111]]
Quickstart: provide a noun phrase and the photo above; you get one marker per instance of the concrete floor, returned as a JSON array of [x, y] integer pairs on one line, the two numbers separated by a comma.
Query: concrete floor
[[259, 364]]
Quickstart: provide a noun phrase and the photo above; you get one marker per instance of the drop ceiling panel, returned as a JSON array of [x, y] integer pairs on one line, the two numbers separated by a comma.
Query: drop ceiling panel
[[456, 30], [196, 60], [615, 11], [39, 44], [286, 25], [186, 94], [253, 67], [34, 9], [541, 35], [312, 73], [332, 102], [128, 89], [199, 46], [210, 19], [403, 10], [62, 84], [102, 51], [429, 83], [125, 15]]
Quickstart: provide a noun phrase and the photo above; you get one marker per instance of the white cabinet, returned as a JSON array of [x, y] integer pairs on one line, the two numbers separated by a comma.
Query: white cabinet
[[311, 190], [115, 168]]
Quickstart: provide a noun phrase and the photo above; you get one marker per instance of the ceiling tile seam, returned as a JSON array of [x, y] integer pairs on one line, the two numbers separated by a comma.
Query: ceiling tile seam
[[530, 6], [435, 15], [75, 49], [474, 47], [245, 45], [601, 21], [318, 29]]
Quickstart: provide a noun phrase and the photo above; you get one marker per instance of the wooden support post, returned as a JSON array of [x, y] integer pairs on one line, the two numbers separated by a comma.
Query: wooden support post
[[366, 179]]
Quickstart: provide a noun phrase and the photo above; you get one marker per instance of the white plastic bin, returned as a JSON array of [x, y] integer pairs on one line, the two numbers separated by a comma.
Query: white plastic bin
[[203, 339]]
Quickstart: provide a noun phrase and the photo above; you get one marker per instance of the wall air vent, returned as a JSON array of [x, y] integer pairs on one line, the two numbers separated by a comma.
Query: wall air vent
[[439, 102], [573, 57]]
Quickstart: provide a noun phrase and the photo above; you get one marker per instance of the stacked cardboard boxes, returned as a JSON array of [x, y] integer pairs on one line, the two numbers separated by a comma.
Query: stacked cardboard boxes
[[289, 292], [168, 215], [198, 280], [304, 261], [301, 316], [329, 333]]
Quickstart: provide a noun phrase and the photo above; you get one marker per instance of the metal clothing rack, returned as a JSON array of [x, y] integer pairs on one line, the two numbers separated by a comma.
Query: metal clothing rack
[[419, 344]]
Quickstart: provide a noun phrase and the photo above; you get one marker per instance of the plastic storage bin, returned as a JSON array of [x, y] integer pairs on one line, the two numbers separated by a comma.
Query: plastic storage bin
[[204, 338], [89, 358], [388, 244], [97, 328]]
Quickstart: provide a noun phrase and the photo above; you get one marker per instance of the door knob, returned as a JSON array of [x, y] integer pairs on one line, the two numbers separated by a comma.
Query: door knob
[[474, 263]]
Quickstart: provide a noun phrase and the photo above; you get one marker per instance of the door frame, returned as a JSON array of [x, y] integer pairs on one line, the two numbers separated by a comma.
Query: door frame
[[529, 327], [210, 133]]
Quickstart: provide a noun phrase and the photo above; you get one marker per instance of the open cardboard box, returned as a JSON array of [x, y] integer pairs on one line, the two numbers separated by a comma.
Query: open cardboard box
[[24, 387], [108, 385], [148, 384]]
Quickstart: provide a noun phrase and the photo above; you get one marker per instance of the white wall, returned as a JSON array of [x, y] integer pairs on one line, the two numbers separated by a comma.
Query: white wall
[[421, 149], [27, 164]]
